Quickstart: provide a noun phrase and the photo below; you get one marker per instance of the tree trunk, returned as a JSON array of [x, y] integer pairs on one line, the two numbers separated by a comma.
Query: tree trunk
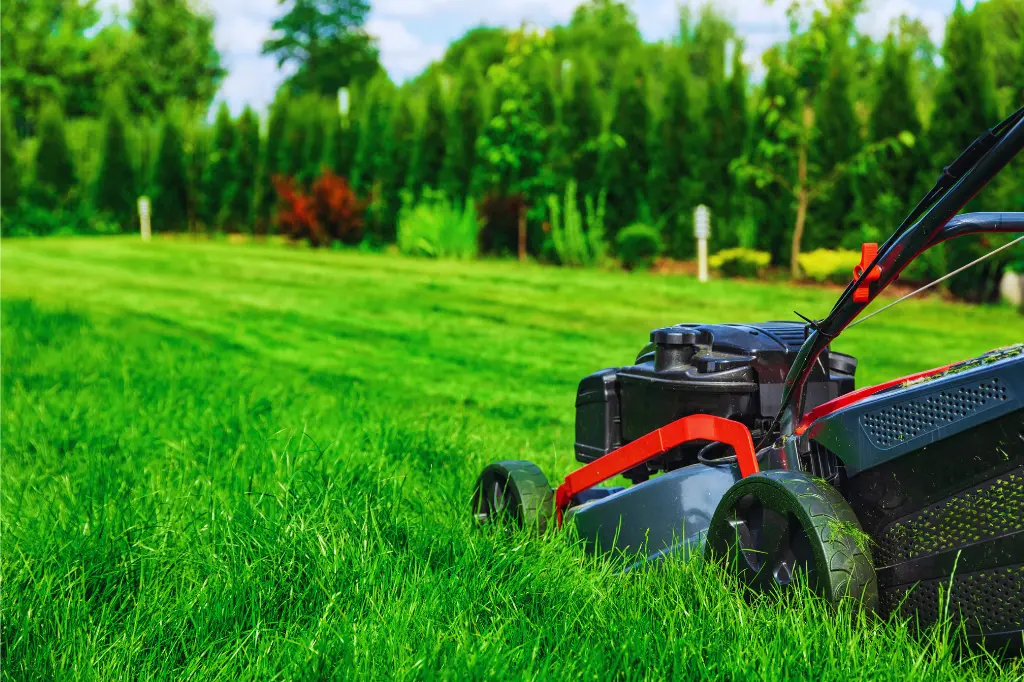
[[522, 232], [802, 194]]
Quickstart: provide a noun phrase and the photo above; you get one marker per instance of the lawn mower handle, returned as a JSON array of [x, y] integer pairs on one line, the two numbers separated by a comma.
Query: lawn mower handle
[[937, 225]]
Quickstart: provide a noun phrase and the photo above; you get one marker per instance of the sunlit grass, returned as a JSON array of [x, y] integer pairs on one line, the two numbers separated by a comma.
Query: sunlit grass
[[253, 462]]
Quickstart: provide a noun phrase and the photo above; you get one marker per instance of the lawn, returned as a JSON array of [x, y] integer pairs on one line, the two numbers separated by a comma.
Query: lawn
[[226, 462]]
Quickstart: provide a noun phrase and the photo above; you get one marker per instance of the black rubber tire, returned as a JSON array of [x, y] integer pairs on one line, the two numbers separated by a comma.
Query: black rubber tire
[[514, 491], [773, 524]]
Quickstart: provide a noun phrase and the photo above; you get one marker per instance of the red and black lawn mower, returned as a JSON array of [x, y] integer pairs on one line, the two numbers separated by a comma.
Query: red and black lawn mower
[[893, 494]]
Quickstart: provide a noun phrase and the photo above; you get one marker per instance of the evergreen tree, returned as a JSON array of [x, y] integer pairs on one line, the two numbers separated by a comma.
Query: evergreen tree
[[115, 183], [676, 158], [198, 153], [334, 142], [375, 118], [170, 198], [774, 209], [54, 171], [965, 101], [431, 140], [10, 174], [581, 126], [894, 187], [220, 172], [394, 166], [467, 119], [837, 140], [247, 158], [316, 138], [626, 165], [270, 161], [965, 105], [292, 154]]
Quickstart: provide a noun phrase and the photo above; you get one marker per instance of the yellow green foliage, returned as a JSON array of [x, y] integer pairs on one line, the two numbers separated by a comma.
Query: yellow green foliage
[[826, 265], [740, 262]]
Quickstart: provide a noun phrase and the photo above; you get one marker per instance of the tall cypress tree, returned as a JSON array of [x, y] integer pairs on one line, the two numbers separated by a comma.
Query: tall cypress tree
[[581, 126], [675, 158], [247, 158], [838, 139], [115, 184], [394, 169], [375, 111], [170, 181], [625, 167], [10, 174], [467, 119], [313, 156], [270, 162], [965, 105], [892, 189], [220, 172], [54, 171], [431, 140], [292, 154]]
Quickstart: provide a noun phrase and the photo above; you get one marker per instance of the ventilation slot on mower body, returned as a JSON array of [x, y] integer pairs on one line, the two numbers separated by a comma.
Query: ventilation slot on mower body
[[904, 421]]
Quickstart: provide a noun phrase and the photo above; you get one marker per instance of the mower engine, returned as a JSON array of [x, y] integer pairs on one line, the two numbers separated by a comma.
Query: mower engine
[[734, 371]]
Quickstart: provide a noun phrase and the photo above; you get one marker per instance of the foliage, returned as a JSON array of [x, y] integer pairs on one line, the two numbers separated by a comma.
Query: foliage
[[339, 211], [577, 244], [581, 125], [501, 223], [114, 190], [432, 133], [467, 119], [270, 162], [625, 166], [437, 228], [638, 245], [161, 51], [825, 265], [30, 219], [10, 173], [740, 262], [175, 42], [324, 40], [394, 171], [170, 191], [242, 196], [375, 111], [220, 172], [330, 213], [54, 171]]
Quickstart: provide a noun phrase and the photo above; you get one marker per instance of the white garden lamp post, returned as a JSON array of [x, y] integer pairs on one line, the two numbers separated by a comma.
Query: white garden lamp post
[[144, 227], [702, 230]]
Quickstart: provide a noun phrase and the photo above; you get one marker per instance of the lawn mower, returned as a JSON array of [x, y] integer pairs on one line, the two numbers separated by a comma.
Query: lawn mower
[[749, 442]]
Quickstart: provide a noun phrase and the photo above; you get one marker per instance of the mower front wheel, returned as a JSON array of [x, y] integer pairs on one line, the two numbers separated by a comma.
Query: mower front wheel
[[514, 491], [773, 526]]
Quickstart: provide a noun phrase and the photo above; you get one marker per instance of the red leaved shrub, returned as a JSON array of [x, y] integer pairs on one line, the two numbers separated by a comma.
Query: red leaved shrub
[[331, 212], [338, 208]]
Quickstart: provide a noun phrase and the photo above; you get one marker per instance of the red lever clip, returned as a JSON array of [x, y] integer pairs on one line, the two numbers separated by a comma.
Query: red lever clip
[[867, 254]]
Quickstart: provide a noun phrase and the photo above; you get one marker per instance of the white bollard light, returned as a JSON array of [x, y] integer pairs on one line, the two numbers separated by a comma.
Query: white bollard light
[[144, 225], [702, 230]]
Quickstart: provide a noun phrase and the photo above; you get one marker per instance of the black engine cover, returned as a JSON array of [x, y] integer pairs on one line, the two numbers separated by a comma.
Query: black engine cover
[[736, 371]]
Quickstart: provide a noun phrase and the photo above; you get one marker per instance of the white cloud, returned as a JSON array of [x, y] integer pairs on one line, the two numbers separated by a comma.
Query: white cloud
[[402, 53]]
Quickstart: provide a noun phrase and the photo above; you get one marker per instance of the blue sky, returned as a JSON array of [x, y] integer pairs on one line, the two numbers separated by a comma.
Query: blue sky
[[414, 32]]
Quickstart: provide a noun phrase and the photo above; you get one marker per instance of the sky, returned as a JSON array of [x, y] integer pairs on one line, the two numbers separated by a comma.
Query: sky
[[412, 33]]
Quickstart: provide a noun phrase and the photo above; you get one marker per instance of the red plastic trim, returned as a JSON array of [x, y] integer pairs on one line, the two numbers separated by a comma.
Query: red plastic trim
[[861, 393], [693, 427], [868, 252]]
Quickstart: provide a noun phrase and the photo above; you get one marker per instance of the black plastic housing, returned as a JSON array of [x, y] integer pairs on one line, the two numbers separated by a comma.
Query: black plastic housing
[[736, 371]]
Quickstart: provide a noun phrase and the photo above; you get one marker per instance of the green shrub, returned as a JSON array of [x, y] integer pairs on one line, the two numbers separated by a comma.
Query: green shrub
[[575, 245], [31, 219], [740, 262], [437, 228], [825, 265], [638, 245]]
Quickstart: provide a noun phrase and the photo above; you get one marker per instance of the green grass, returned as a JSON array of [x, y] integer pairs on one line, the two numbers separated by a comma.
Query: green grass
[[235, 463]]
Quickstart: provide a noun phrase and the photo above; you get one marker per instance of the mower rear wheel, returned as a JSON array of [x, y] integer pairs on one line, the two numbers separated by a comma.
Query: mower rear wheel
[[514, 491], [773, 526]]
